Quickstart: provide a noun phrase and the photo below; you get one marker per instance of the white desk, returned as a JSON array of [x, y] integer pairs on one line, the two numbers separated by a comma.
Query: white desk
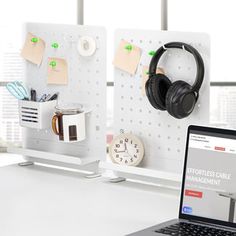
[[40, 201]]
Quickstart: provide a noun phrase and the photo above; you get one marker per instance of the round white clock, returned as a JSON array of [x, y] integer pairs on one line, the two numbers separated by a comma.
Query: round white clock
[[126, 149]]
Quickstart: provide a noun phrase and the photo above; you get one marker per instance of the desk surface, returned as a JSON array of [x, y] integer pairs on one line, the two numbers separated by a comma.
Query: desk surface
[[41, 201]]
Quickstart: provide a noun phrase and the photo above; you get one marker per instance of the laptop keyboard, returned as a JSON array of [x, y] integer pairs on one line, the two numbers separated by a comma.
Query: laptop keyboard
[[188, 229]]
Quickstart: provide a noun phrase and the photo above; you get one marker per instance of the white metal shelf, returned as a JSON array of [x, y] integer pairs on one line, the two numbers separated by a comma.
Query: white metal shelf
[[73, 160]]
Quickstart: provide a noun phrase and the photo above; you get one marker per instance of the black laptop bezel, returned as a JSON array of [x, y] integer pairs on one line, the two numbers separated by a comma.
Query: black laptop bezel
[[192, 217]]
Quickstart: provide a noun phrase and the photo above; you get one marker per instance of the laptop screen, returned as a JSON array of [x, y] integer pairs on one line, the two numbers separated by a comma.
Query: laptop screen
[[209, 188]]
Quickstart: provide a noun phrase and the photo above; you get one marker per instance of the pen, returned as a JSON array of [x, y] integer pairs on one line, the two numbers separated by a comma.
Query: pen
[[33, 95], [53, 97]]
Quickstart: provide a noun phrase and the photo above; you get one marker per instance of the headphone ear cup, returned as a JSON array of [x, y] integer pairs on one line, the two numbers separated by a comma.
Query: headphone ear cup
[[180, 99], [149, 93], [160, 84]]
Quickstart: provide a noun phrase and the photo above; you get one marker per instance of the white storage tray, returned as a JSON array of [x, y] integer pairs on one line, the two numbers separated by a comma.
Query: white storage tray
[[36, 115]]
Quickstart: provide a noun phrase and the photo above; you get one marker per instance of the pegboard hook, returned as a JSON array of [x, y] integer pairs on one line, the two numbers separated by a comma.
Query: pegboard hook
[[164, 47]]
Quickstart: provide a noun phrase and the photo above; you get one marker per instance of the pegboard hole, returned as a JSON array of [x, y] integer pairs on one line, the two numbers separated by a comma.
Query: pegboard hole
[[131, 121], [122, 86], [131, 86], [97, 71], [140, 110], [169, 149], [149, 123], [168, 137], [178, 138], [168, 126], [150, 112], [149, 135], [97, 128], [140, 122], [122, 108], [122, 120], [150, 41], [141, 41], [140, 99], [122, 97], [160, 42], [179, 67], [178, 150], [131, 109], [131, 98], [159, 124], [159, 136]]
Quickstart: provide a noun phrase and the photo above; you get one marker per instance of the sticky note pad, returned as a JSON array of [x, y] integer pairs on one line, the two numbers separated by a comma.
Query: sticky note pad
[[145, 77], [33, 49], [127, 57], [57, 71]]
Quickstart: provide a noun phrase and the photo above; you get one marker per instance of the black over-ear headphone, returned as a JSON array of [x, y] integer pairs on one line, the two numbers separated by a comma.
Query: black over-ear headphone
[[179, 97]]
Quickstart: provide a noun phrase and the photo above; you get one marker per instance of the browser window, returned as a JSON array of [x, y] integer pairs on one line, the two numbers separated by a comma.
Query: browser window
[[210, 189]]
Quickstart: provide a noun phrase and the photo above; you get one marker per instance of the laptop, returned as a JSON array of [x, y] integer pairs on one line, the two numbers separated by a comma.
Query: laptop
[[207, 203]]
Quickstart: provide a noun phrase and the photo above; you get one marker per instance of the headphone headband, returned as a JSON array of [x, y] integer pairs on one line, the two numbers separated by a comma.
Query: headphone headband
[[198, 59]]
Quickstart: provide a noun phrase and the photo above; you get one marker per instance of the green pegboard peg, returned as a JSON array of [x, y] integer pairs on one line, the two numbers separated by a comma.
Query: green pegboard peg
[[129, 47], [55, 45], [34, 40], [151, 53], [53, 64]]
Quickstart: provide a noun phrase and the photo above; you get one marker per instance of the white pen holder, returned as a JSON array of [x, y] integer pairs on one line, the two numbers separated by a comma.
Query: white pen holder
[[36, 115]]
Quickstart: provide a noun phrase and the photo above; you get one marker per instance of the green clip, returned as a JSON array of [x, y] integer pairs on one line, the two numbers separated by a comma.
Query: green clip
[[151, 53], [147, 72], [34, 40], [53, 64], [129, 47], [55, 45]]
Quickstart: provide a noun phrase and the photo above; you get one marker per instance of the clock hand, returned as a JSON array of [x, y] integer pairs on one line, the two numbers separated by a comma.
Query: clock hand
[[125, 147], [119, 151]]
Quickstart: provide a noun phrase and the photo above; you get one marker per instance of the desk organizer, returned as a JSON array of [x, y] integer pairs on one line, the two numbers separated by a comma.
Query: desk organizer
[[86, 85], [163, 136], [37, 115]]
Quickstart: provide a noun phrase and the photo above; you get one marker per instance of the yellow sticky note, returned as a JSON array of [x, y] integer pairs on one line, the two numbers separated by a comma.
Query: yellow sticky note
[[33, 49], [57, 71], [127, 57], [145, 77]]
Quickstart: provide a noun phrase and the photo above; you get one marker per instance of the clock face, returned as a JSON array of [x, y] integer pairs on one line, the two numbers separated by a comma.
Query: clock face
[[126, 149]]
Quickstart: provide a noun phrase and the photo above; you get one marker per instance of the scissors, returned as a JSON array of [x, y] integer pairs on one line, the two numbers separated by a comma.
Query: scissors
[[18, 90]]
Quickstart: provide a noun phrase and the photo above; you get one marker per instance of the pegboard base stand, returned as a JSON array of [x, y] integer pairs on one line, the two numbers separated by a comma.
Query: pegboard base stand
[[117, 180], [93, 176], [26, 163], [146, 176]]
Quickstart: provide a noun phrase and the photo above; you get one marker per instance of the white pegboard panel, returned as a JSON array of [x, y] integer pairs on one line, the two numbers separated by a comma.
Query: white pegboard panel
[[86, 85], [163, 136]]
